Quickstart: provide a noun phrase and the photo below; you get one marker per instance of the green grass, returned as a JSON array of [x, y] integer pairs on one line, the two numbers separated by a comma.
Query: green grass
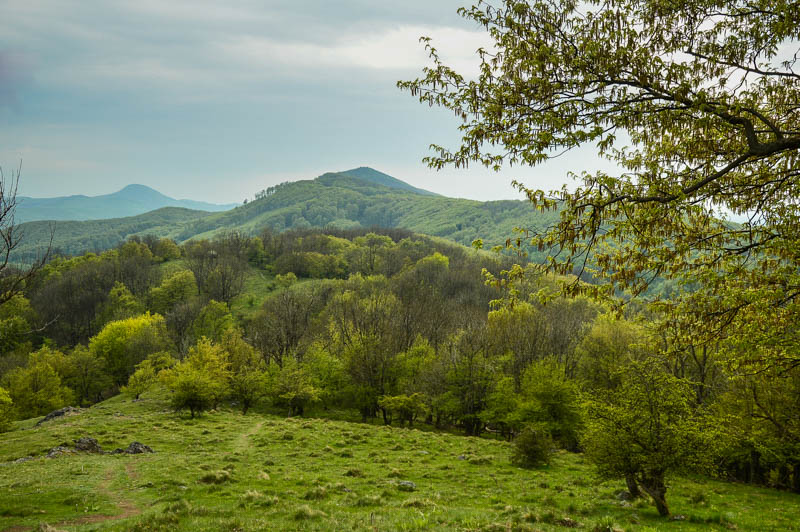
[[258, 285], [225, 471]]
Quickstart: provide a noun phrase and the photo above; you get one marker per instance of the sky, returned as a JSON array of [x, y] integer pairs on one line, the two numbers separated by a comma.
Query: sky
[[214, 101]]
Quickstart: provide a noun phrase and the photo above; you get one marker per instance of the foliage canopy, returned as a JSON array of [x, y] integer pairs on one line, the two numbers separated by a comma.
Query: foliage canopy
[[696, 102]]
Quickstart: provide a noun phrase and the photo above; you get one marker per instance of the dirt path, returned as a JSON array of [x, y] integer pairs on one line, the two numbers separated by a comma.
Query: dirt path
[[243, 441], [126, 506]]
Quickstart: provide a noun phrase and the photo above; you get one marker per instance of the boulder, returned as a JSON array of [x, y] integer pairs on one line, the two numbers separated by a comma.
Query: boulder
[[88, 445], [58, 451], [134, 448], [138, 448], [67, 410]]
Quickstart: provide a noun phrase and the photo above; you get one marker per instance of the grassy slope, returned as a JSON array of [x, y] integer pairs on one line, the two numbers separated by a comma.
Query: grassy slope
[[317, 474]]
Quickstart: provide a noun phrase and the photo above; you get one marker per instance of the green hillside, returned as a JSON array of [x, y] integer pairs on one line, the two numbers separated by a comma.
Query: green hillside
[[72, 237], [263, 471], [130, 201], [333, 199]]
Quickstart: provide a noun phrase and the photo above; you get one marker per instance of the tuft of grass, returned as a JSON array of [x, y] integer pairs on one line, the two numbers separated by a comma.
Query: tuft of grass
[[418, 503], [316, 494], [368, 500], [216, 477], [306, 512]]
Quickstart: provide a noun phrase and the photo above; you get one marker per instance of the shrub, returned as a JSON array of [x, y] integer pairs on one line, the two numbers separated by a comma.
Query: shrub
[[532, 448], [6, 411]]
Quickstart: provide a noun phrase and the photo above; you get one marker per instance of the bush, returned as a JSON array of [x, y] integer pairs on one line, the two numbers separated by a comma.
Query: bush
[[6, 411], [532, 448]]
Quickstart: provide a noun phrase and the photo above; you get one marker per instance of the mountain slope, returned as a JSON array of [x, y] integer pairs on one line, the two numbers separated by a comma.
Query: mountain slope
[[130, 201], [74, 237], [334, 199], [379, 178]]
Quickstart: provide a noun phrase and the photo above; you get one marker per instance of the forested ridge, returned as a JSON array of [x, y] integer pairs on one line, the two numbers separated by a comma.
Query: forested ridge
[[337, 200]]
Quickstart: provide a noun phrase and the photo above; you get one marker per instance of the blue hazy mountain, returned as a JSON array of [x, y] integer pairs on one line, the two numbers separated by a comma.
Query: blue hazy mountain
[[130, 201]]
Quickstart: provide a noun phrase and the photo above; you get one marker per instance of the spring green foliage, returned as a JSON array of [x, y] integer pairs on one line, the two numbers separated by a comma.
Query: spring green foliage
[[146, 374], [213, 322], [16, 319], [177, 288], [410, 336], [292, 387], [646, 429], [121, 304], [37, 389], [6, 411], [406, 408], [125, 343], [656, 89], [199, 381], [84, 372], [533, 447]]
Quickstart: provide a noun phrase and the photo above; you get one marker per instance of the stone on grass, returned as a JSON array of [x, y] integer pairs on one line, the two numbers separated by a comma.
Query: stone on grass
[[406, 485], [88, 445], [138, 448], [67, 410], [58, 451]]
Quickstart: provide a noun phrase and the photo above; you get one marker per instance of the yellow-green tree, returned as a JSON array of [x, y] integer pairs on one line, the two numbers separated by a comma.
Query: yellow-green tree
[[16, 319], [177, 288], [200, 381], [147, 372], [125, 343], [6, 411], [37, 389]]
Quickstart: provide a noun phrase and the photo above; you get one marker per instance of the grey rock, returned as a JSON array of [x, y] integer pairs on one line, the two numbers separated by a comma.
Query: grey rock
[[67, 410], [58, 451], [88, 445], [406, 485], [134, 448], [138, 448]]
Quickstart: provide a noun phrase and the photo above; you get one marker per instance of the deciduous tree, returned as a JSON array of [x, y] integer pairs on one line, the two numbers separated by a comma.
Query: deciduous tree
[[696, 103]]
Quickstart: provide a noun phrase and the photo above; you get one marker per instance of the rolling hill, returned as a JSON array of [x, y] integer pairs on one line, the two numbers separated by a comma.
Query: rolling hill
[[130, 201], [264, 471], [356, 198]]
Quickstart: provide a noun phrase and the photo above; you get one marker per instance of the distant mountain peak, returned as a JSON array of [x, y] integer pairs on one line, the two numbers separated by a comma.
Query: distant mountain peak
[[135, 187], [131, 200], [370, 175]]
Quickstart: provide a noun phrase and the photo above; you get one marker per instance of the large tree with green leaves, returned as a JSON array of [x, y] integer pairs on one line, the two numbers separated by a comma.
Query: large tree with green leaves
[[697, 102]]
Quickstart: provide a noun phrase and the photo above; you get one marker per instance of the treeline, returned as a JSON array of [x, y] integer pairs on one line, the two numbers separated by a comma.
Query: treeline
[[402, 329]]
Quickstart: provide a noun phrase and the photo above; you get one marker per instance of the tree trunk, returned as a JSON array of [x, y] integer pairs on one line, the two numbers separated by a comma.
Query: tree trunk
[[796, 478], [653, 485], [633, 487], [784, 477]]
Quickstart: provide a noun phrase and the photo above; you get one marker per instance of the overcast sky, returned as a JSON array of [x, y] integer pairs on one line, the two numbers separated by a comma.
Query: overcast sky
[[216, 100]]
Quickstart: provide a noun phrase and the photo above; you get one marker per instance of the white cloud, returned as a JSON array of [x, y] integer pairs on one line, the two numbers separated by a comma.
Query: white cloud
[[394, 48]]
